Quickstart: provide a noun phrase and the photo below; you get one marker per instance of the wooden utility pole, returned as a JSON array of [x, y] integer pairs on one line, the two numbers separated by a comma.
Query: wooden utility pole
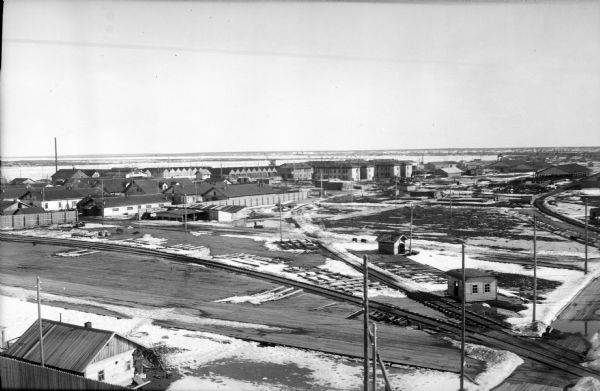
[[411, 230], [534, 266], [366, 323], [585, 267], [40, 323], [55, 156], [374, 355], [280, 223], [462, 329], [185, 212]]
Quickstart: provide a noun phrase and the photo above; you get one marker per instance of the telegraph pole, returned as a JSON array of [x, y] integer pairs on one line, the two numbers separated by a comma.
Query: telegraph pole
[[366, 323], [586, 236], [411, 230], [280, 223], [462, 329], [40, 322], [534, 266], [374, 352], [55, 156]]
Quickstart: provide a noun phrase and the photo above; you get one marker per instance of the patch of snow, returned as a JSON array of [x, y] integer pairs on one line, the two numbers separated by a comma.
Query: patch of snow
[[340, 267], [97, 226]]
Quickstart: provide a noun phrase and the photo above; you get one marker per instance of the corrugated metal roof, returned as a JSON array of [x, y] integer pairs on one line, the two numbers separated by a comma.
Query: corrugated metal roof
[[66, 346]]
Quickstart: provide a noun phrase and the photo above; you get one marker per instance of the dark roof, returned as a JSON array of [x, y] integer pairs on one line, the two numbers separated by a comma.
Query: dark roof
[[390, 237], [112, 185], [86, 191], [112, 202], [571, 168], [245, 189], [147, 186], [54, 193], [65, 173], [13, 192], [29, 210], [469, 273], [182, 186], [295, 166], [21, 181], [66, 346], [334, 163], [6, 204]]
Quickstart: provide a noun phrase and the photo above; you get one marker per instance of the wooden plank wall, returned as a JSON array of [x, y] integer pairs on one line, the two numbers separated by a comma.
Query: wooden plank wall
[[38, 219], [20, 375]]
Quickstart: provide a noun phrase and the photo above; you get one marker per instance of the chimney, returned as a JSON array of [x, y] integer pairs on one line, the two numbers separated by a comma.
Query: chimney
[[88, 325]]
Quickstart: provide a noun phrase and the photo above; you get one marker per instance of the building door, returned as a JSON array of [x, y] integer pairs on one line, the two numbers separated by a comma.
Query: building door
[[455, 288]]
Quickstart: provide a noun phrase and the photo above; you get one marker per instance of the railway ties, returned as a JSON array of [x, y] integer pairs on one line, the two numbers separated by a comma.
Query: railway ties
[[556, 358]]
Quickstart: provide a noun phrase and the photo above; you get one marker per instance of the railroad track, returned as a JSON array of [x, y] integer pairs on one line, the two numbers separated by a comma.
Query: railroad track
[[553, 356], [539, 204]]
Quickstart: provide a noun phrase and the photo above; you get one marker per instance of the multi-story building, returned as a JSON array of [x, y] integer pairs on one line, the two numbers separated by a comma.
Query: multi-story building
[[343, 170], [295, 171]]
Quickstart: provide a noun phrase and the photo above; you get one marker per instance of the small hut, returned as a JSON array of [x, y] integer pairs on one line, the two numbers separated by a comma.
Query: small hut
[[391, 243], [479, 285]]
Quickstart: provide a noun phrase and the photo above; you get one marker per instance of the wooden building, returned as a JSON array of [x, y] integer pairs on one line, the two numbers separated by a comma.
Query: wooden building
[[64, 176], [135, 205], [343, 170], [479, 285], [391, 243], [55, 198], [92, 353], [295, 171], [564, 171], [448, 172]]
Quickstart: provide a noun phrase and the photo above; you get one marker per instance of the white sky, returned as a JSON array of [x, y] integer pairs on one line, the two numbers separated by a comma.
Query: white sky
[[153, 76]]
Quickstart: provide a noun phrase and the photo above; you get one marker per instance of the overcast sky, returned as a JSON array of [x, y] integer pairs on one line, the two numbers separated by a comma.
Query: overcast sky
[[153, 76]]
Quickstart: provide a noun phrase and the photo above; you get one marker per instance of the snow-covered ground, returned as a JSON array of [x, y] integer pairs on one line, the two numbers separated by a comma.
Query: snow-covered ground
[[572, 281], [191, 351]]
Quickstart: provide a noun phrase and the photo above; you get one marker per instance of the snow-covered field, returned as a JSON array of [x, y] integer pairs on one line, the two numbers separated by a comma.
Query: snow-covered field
[[191, 351]]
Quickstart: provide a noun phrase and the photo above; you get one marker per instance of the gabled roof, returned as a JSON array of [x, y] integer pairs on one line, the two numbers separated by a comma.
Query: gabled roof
[[451, 170], [66, 346], [113, 185], [147, 186], [54, 194], [469, 273], [133, 200], [11, 193], [571, 168], [21, 181], [65, 173], [390, 237]]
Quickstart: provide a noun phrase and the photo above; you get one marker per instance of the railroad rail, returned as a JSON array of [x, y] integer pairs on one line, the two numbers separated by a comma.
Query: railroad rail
[[553, 356], [539, 203]]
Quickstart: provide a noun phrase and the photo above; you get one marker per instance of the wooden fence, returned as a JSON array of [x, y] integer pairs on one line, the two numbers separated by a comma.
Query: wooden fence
[[38, 219], [20, 375]]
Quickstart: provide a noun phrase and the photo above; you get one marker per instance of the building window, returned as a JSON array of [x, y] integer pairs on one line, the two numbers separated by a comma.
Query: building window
[[130, 208], [148, 206], [115, 209], [128, 365], [161, 205], [46, 205], [487, 288], [101, 376], [474, 288], [59, 204]]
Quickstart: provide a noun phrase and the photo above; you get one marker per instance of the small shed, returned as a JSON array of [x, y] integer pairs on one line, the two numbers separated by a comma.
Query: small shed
[[479, 285], [391, 243]]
